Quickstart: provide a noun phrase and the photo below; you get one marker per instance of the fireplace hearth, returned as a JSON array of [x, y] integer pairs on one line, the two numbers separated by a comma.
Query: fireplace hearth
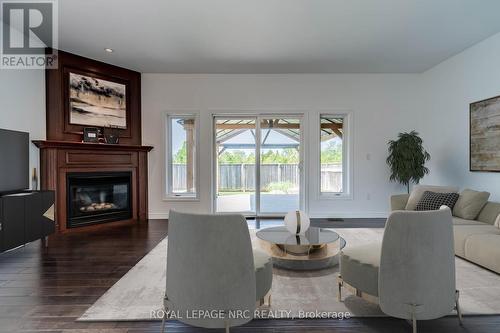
[[98, 197]]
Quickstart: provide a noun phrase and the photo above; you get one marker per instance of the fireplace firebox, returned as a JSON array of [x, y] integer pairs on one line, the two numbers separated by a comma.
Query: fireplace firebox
[[98, 197]]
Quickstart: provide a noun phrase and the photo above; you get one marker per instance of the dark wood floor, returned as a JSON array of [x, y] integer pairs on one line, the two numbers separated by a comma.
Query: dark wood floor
[[45, 290]]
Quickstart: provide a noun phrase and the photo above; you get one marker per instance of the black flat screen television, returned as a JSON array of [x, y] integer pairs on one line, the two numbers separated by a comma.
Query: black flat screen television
[[14, 161]]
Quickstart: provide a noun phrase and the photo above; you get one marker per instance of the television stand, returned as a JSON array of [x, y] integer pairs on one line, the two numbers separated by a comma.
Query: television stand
[[25, 216]]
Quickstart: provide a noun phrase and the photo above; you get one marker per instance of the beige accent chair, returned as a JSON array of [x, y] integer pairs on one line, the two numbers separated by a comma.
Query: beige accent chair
[[411, 274], [211, 268]]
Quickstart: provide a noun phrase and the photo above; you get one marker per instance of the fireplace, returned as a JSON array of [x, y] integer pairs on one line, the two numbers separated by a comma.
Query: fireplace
[[98, 197]]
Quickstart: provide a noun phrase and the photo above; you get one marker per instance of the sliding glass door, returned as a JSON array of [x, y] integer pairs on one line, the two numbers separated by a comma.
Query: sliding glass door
[[235, 156], [258, 164], [280, 165]]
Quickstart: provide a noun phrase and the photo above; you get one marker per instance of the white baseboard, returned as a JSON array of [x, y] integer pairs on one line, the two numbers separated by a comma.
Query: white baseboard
[[347, 215], [158, 216], [367, 215]]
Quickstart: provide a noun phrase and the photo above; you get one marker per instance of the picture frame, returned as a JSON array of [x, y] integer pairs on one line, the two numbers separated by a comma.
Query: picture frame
[[94, 101], [91, 134], [484, 135]]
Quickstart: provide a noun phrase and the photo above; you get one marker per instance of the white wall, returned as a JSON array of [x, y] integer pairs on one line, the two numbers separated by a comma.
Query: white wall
[[381, 106], [448, 89], [435, 103], [22, 105]]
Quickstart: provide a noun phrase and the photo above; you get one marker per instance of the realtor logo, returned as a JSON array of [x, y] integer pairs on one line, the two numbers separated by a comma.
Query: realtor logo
[[29, 34]]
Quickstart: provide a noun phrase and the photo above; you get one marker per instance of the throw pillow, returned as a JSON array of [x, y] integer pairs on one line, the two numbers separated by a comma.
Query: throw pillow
[[470, 203], [434, 201], [418, 191]]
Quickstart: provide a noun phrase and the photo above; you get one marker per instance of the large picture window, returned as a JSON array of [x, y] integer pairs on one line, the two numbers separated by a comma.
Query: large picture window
[[333, 155], [182, 145]]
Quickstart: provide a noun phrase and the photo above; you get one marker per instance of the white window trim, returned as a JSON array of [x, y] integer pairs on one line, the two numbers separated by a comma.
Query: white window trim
[[347, 156], [167, 170]]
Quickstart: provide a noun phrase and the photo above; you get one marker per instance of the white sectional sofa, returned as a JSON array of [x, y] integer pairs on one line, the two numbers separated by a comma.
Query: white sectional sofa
[[476, 239]]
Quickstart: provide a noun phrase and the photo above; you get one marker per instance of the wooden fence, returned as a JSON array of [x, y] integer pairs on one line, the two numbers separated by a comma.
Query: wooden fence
[[241, 177]]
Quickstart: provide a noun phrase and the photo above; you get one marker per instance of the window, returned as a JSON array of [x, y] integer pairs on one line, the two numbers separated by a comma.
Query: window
[[182, 145], [333, 155]]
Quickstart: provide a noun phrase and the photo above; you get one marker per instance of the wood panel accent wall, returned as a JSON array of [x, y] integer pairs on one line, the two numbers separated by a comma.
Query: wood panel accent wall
[[57, 97], [61, 157], [64, 151]]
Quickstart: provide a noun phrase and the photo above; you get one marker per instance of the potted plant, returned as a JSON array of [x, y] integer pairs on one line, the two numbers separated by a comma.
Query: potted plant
[[407, 158]]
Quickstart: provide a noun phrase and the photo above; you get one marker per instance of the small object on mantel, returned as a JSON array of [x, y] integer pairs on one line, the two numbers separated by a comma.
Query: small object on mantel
[[111, 139], [111, 135], [91, 134]]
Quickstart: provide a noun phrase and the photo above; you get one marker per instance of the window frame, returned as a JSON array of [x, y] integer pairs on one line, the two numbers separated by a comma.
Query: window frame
[[168, 194], [346, 194]]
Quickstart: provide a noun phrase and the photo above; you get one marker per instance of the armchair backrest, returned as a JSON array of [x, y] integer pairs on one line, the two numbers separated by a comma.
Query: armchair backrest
[[417, 264], [210, 267]]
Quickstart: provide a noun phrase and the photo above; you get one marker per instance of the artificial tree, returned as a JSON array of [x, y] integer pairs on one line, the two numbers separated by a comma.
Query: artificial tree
[[407, 158]]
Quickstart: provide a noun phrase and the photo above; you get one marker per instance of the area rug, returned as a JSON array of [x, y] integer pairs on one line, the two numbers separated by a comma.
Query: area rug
[[139, 294]]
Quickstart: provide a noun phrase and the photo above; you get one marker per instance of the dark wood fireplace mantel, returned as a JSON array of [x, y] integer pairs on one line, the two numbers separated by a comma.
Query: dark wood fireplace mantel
[[58, 158], [42, 144]]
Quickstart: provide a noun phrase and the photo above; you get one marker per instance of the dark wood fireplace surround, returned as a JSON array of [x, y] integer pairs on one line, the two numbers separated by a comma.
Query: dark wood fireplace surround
[[64, 152]]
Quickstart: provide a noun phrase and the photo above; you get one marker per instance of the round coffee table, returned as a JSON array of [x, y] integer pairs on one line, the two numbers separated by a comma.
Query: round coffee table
[[317, 249]]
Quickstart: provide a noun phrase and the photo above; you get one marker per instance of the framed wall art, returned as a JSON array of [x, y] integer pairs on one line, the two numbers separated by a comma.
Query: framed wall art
[[97, 102], [485, 135]]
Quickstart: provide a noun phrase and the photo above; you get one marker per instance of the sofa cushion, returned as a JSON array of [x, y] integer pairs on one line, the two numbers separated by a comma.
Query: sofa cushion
[[418, 191], [359, 267], [470, 203], [461, 221], [462, 232], [434, 201], [484, 250], [398, 201], [489, 212]]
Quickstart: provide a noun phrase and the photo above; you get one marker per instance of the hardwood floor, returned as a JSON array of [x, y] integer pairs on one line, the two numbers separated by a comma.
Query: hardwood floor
[[46, 290]]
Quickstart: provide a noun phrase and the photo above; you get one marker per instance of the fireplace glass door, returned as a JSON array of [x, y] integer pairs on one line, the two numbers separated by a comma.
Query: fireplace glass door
[[98, 198]]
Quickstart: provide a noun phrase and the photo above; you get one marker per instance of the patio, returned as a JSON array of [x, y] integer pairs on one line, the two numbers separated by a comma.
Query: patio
[[245, 202]]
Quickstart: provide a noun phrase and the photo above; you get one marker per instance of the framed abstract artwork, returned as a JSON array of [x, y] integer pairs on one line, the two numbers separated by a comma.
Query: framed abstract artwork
[[485, 135], [97, 102]]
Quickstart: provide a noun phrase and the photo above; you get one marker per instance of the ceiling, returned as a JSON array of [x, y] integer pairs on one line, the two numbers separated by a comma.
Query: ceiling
[[275, 36]]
